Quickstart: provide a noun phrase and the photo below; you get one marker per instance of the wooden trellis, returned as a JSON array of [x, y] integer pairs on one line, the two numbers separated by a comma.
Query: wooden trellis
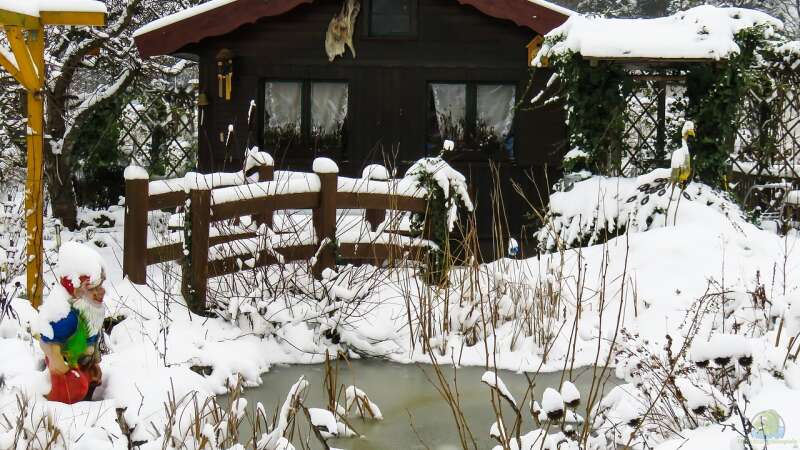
[[159, 130], [645, 145], [767, 147]]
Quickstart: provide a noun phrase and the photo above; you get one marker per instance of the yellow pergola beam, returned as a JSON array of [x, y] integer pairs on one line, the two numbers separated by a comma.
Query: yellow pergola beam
[[73, 18], [15, 19], [11, 68], [27, 69]]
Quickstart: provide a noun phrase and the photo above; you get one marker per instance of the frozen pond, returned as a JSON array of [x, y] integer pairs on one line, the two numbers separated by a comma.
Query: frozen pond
[[406, 396]]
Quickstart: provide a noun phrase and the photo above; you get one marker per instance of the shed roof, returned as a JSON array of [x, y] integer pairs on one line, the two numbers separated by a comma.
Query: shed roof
[[218, 17]]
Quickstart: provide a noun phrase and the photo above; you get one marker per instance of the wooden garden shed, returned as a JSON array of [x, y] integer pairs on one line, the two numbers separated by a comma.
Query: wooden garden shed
[[419, 72]]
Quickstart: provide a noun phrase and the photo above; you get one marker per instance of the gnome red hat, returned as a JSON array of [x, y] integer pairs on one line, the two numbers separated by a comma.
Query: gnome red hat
[[79, 265]]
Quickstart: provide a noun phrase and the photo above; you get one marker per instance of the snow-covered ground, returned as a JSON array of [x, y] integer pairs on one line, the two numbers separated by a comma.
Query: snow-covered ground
[[564, 308]]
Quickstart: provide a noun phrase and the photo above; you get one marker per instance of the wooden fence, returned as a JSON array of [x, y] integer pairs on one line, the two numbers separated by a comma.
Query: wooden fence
[[229, 197]]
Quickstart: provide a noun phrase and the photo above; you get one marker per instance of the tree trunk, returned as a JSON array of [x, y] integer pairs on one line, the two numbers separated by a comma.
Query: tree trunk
[[58, 169], [60, 189]]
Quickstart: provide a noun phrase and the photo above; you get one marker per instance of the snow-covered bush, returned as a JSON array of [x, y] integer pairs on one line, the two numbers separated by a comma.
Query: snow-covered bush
[[12, 246], [601, 208], [560, 426], [676, 387], [447, 195]]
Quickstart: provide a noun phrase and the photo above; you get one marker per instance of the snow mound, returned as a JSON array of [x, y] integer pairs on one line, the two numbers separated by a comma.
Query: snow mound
[[703, 32], [600, 208]]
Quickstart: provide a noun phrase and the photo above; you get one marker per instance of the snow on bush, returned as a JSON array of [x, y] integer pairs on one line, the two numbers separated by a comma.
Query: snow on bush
[[722, 349], [357, 401], [492, 380], [435, 172], [570, 394], [600, 208], [552, 404]]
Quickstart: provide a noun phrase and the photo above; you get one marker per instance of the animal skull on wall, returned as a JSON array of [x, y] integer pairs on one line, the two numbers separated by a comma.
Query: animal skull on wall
[[340, 30]]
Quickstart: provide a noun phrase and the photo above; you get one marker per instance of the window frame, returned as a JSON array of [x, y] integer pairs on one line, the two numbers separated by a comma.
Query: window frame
[[471, 116], [413, 33], [303, 148]]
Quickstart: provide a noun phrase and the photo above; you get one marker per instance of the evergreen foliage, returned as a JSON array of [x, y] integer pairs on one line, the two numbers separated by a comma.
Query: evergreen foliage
[[100, 164], [595, 97]]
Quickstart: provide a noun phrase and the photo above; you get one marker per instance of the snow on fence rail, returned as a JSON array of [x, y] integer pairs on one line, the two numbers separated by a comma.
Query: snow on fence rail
[[221, 197]]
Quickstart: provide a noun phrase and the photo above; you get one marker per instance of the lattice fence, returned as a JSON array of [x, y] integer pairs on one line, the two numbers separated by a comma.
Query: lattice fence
[[159, 130], [768, 150], [650, 122]]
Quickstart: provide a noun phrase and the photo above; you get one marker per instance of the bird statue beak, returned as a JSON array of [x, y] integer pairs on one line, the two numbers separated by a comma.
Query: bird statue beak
[[690, 133]]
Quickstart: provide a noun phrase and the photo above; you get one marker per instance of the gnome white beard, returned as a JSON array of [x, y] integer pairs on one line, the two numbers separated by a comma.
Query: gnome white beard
[[93, 311]]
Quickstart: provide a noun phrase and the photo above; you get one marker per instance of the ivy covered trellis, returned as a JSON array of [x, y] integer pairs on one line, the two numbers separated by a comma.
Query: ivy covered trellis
[[626, 102]]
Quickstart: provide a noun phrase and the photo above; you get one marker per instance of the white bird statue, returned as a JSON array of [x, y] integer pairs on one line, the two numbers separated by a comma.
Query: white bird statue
[[681, 158]]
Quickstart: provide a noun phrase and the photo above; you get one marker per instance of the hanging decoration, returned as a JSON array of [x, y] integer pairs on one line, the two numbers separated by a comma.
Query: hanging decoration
[[225, 73], [340, 30], [533, 49]]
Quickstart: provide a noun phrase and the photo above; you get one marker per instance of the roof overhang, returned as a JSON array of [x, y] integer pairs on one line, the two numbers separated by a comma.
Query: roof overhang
[[218, 17]]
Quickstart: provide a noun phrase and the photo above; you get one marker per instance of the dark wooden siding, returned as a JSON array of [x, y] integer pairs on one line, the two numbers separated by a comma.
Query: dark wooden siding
[[388, 90]]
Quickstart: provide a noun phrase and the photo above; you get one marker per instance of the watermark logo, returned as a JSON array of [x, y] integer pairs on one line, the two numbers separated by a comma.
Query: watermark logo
[[768, 425]]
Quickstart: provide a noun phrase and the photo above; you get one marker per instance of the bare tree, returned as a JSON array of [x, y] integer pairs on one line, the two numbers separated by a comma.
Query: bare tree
[[87, 68]]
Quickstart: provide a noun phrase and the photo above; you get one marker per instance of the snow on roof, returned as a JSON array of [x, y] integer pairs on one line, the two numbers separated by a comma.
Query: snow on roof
[[180, 15], [33, 7], [704, 32], [214, 4], [552, 6]]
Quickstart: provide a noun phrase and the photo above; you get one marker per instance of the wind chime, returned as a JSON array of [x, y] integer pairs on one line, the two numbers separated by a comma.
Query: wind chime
[[225, 73]]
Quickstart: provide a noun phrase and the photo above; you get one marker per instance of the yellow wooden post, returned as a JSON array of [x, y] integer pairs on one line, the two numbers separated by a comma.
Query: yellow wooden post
[[26, 64], [34, 195]]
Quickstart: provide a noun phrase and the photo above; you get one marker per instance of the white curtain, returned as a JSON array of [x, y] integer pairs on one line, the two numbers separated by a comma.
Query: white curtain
[[328, 107], [450, 101], [496, 107], [283, 104]]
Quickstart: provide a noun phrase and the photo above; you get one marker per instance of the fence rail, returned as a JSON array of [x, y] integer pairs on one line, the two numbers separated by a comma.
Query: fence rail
[[230, 197]]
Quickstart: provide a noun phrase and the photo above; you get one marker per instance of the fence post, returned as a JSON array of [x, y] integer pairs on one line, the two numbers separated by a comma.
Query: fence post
[[134, 258], [375, 217], [324, 215], [266, 172], [200, 208]]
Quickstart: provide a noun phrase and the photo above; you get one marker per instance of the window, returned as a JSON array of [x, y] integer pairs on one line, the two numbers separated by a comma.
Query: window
[[306, 115], [474, 116], [389, 18]]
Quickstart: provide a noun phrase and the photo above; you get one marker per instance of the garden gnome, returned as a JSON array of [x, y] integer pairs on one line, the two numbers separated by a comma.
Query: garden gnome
[[70, 324]]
